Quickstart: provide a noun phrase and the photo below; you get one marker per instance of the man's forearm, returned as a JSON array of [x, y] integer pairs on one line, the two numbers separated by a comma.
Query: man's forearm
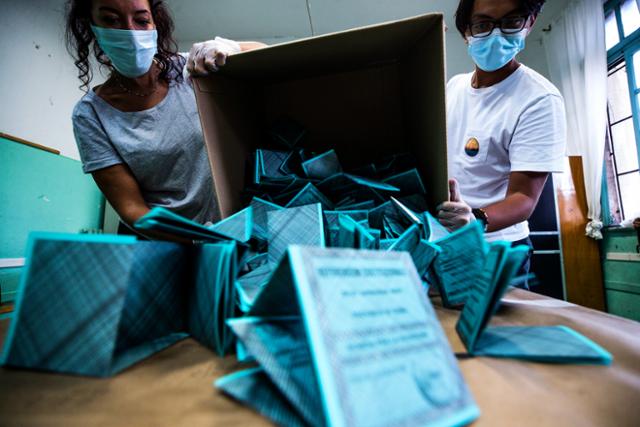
[[515, 208]]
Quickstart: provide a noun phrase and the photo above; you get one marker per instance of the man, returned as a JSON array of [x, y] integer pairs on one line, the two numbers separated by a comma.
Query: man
[[506, 124]]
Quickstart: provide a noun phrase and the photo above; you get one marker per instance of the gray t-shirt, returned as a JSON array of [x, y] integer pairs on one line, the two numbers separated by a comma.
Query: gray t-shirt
[[163, 146]]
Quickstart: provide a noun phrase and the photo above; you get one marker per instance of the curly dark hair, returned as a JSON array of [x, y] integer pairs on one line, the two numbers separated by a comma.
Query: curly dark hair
[[81, 41], [465, 7]]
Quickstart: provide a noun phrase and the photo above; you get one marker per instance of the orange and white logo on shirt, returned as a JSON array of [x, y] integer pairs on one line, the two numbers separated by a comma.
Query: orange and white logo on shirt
[[472, 147]]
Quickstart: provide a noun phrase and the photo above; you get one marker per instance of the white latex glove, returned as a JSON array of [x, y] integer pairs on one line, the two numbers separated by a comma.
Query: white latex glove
[[208, 56], [455, 213]]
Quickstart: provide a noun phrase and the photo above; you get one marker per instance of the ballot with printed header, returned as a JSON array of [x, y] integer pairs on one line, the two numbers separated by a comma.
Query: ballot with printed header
[[348, 338]]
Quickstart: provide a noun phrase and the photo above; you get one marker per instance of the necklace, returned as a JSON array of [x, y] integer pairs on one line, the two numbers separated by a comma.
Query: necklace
[[133, 92]]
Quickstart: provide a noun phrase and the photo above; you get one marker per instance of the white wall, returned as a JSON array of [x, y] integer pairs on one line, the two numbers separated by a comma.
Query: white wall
[[534, 54], [38, 81], [39, 85], [274, 21]]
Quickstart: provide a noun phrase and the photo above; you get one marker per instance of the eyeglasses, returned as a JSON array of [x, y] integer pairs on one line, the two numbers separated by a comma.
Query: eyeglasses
[[508, 25]]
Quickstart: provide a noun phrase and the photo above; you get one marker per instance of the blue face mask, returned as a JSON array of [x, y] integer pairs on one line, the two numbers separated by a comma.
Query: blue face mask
[[131, 51], [496, 50]]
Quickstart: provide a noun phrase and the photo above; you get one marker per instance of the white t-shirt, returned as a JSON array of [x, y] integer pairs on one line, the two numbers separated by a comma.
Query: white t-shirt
[[516, 125]]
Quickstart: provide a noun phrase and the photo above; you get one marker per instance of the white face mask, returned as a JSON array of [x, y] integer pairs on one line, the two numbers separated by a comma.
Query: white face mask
[[131, 51]]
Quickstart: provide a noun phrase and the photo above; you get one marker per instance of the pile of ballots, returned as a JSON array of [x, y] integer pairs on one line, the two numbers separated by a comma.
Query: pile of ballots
[[332, 297], [92, 304], [321, 283]]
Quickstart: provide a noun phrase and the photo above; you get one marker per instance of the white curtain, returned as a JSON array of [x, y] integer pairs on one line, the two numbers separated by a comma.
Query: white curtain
[[577, 59]]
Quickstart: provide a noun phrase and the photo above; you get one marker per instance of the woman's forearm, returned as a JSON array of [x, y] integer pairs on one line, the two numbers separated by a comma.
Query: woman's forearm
[[251, 45]]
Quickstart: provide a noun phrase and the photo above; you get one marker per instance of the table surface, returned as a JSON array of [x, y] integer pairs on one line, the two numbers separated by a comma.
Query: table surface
[[174, 387]]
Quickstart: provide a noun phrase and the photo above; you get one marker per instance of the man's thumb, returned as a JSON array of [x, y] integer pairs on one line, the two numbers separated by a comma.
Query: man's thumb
[[454, 192]]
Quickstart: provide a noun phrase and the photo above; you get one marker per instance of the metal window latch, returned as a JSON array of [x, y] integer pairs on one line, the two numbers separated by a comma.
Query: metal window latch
[[636, 225]]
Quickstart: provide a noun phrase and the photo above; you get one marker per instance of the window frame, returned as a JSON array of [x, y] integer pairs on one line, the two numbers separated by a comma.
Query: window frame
[[624, 50]]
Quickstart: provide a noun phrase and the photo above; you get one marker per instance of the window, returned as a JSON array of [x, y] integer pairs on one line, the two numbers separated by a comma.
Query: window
[[622, 36]]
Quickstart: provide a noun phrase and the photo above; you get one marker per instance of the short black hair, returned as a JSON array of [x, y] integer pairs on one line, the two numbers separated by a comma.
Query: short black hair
[[465, 7]]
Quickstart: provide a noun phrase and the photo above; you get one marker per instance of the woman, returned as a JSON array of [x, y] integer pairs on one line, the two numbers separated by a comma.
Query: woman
[[139, 133], [505, 124]]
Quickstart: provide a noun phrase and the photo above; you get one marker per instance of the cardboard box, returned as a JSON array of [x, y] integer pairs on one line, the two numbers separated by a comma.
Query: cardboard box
[[367, 92]]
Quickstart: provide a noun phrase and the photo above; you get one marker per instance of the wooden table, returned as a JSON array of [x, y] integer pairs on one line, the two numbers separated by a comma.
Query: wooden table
[[174, 387]]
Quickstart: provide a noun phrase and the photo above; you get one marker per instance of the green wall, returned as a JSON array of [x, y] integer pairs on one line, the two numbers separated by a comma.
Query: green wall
[[41, 191], [621, 278]]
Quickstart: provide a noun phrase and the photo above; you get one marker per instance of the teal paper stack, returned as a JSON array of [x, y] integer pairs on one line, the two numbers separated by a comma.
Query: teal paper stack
[[94, 305]]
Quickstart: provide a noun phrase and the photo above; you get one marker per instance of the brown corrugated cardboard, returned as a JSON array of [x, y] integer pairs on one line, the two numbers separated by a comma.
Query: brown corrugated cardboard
[[367, 92]]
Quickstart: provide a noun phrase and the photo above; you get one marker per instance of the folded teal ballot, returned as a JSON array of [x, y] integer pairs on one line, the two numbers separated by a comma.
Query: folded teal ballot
[[460, 261], [386, 210], [408, 240], [551, 344], [163, 220], [356, 215], [433, 230], [322, 166], [408, 182], [212, 297], [407, 212], [96, 304], [254, 260], [351, 234], [309, 195], [279, 345], [367, 204], [422, 252], [392, 227], [253, 388], [268, 163], [260, 208], [554, 344], [250, 284], [355, 328], [238, 226], [344, 183], [293, 163], [302, 225]]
